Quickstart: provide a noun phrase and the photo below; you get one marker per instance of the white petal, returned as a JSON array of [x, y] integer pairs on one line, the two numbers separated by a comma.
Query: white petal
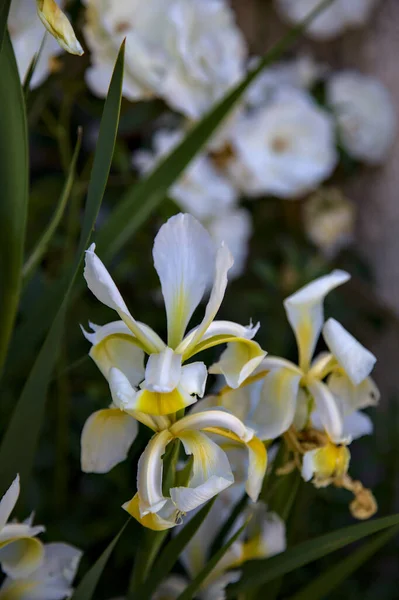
[[211, 472], [276, 362], [329, 411], [101, 284], [184, 259], [163, 371], [353, 397], [238, 361], [122, 392], [354, 358], [106, 438], [114, 346], [276, 408], [56, 22], [171, 588], [211, 419], [308, 465], [8, 502], [306, 315], [224, 261], [193, 378], [149, 474], [20, 557], [357, 425], [218, 332], [217, 589], [166, 518]]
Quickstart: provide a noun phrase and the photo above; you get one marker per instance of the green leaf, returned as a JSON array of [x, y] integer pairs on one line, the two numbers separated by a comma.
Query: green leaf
[[32, 68], [14, 177], [87, 586], [42, 245], [195, 585], [259, 572], [4, 10], [328, 581], [15, 455], [170, 554]]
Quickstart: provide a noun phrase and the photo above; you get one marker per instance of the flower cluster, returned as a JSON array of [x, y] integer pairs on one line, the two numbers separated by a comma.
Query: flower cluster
[[35, 571]]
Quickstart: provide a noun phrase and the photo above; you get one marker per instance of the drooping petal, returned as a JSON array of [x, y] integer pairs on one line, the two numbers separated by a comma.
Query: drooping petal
[[8, 502], [238, 361], [163, 519], [328, 409], [20, 557], [353, 397], [184, 259], [156, 403], [354, 358], [114, 346], [101, 284], [106, 438], [209, 419], [276, 407], [306, 314], [224, 261], [149, 474], [163, 371], [266, 535], [56, 22], [211, 472], [357, 425], [193, 378], [218, 332]]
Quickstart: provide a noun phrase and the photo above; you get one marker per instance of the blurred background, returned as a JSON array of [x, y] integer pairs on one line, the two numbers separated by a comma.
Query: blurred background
[[348, 218]]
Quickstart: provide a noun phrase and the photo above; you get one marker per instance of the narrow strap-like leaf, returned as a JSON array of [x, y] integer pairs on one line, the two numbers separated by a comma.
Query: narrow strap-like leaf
[[4, 10], [258, 572], [195, 585], [42, 244], [14, 177], [18, 446], [170, 554], [328, 581], [87, 586]]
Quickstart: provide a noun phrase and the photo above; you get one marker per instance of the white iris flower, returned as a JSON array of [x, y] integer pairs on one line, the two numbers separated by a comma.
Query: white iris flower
[[186, 261], [282, 393], [20, 551]]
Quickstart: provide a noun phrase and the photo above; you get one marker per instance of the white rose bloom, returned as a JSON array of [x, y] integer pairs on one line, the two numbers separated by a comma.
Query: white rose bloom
[[366, 116], [188, 52], [300, 73], [201, 190], [284, 149], [27, 33], [329, 221], [332, 21]]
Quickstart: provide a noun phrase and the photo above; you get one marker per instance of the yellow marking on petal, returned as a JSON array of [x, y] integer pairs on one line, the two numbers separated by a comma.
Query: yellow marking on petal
[[331, 461], [58, 25], [25, 556], [155, 403], [304, 335], [209, 343], [150, 520], [18, 589]]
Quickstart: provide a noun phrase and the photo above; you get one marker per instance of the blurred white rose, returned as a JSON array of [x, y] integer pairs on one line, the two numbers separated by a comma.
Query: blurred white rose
[[284, 149], [332, 21], [329, 220], [27, 34], [366, 116], [188, 52]]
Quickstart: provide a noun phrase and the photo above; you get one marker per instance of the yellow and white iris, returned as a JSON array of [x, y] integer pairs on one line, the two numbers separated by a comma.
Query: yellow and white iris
[[20, 551], [186, 261], [51, 581], [210, 474], [57, 23], [282, 393]]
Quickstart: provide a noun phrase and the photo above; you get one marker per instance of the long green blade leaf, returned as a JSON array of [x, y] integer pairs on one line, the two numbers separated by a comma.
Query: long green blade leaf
[[143, 198], [195, 585], [14, 176], [258, 572], [42, 245], [15, 455], [170, 554], [320, 587], [87, 586], [4, 10]]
